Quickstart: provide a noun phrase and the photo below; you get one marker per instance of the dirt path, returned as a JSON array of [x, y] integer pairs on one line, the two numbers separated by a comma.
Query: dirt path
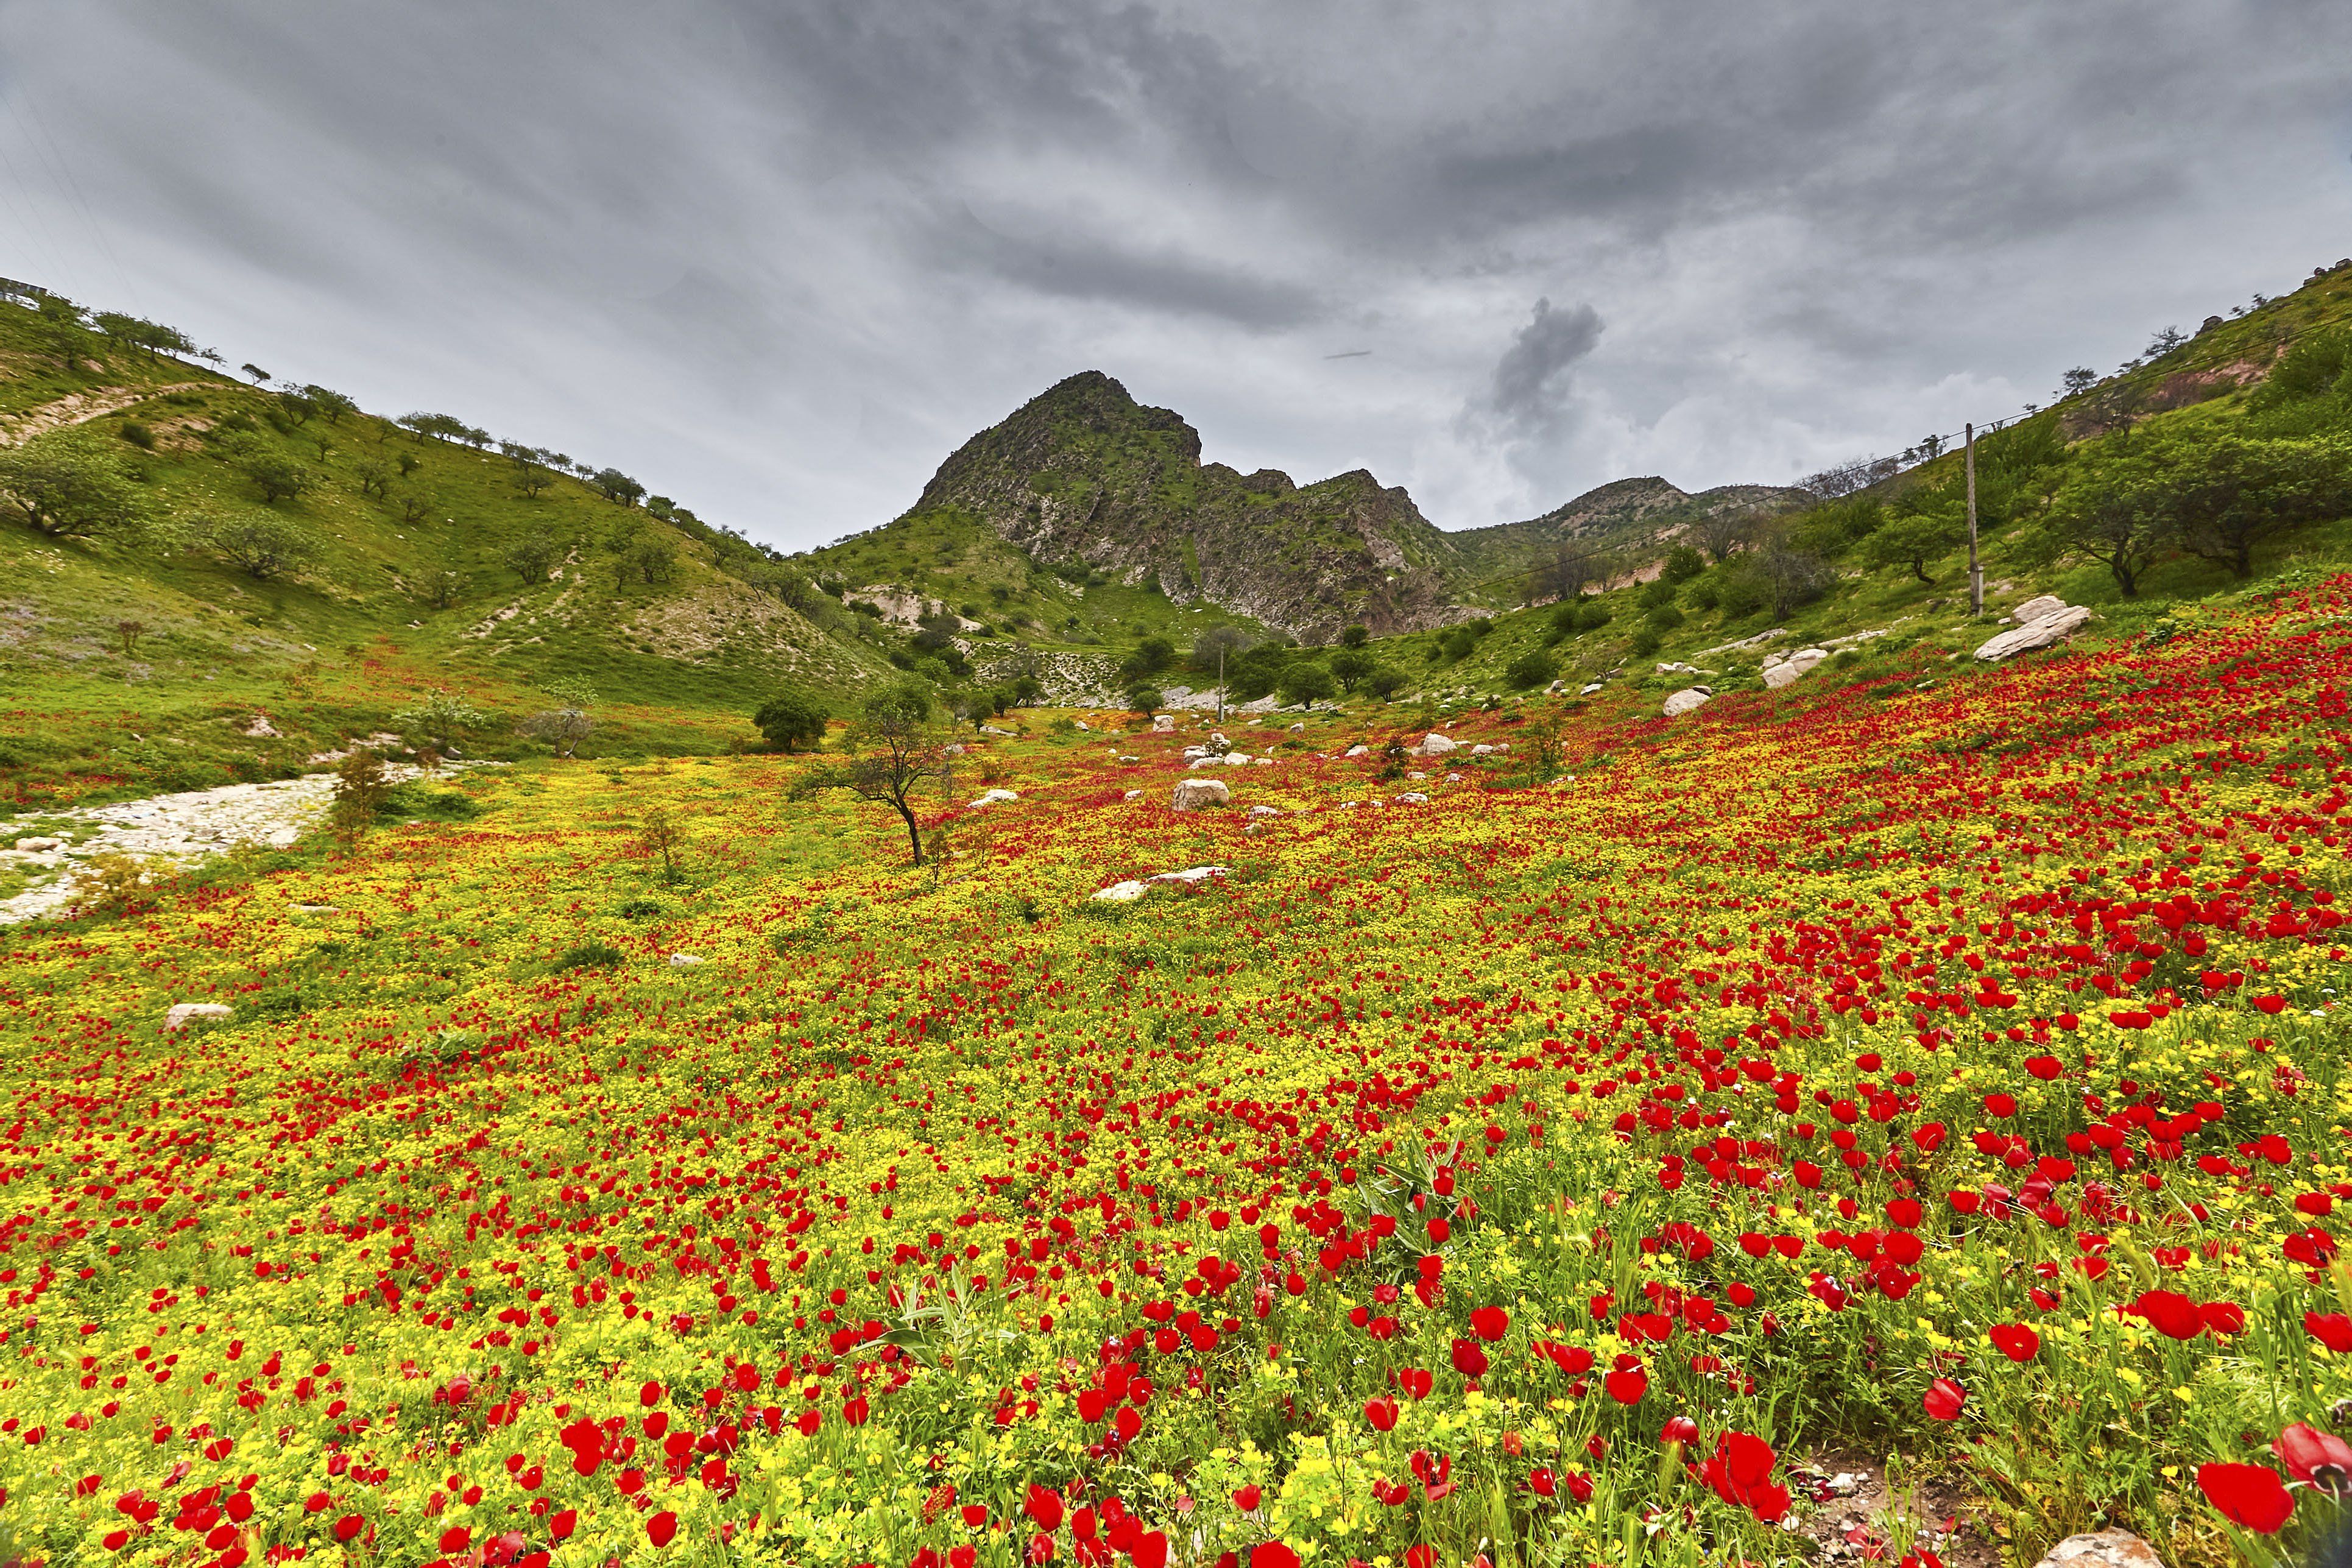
[[78, 408]]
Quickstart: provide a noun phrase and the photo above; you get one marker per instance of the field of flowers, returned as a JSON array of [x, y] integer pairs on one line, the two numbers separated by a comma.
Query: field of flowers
[[1948, 1068]]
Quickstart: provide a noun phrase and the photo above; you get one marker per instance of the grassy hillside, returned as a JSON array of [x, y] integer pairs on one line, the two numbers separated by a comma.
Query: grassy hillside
[[1891, 559], [410, 563]]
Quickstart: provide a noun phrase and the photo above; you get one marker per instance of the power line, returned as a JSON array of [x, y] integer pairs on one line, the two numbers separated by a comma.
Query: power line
[[72, 188]]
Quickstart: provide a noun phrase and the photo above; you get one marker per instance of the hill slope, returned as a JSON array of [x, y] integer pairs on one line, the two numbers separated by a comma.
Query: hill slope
[[404, 562]]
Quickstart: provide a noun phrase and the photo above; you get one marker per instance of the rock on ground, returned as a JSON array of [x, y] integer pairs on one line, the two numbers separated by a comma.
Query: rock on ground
[[2037, 609], [1194, 794], [2049, 629], [1787, 671], [1688, 699], [1435, 745], [182, 1014], [2106, 1548]]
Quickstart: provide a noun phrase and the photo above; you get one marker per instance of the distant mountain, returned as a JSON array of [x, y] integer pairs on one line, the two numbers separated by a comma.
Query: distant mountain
[[1083, 476]]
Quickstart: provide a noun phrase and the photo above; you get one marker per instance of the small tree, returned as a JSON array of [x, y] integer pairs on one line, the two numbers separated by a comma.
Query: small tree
[[1349, 666], [63, 488], [375, 477], [1722, 531], [441, 718], [1307, 682], [2077, 380], [1682, 564], [532, 554], [276, 475], [897, 750], [1384, 682], [1355, 635], [1911, 543], [361, 790], [791, 721], [415, 508], [1532, 669], [331, 403], [566, 726], [261, 545], [128, 633], [254, 371], [658, 834], [442, 589], [1145, 698]]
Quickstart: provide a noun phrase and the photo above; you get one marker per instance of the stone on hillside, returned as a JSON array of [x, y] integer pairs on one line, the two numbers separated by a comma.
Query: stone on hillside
[[1195, 795], [1191, 875], [995, 798], [1163, 723], [1130, 759], [1412, 798], [992, 730], [1298, 729], [1589, 689], [1217, 739], [1360, 750], [1265, 762], [2105, 1549], [2041, 632], [1133, 794], [1787, 671], [1437, 745], [1688, 699], [35, 844], [684, 960], [259, 727], [2033, 610], [1121, 892], [1082, 724], [1482, 750], [1265, 811], [182, 1014]]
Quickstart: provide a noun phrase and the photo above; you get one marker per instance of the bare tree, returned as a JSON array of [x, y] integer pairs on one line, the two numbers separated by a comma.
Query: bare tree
[[1570, 571], [896, 750], [1722, 531]]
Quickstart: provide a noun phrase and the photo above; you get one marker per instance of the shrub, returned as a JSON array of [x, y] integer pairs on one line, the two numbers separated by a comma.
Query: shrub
[[591, 955], [1535, 667]]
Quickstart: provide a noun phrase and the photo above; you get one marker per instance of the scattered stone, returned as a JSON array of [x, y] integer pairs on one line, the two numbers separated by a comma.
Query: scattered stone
[[1191, 875], [1299, 729], [1264, 762], [2036, 609], [1437, 745], [1130, 759], [1265, 811], [259, 727], [1163, 723], [1196, 794], [1786, 670], [182, 1014], [2105, 1549], [1133, 794], [1482, 750], [1082, 724], [2039, 633], [314, 909], [1589, 690], [1413, 798], [1688, 699], [1218, 742], [684, 960], [995, 798], [1359, 751], [35, 844], [992, 730], [1121, 892]]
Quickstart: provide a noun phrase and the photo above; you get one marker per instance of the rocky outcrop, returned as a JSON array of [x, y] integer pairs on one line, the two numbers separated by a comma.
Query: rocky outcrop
[[1196, 794], [1086, 475], [1788, 670], [2104, 1549]]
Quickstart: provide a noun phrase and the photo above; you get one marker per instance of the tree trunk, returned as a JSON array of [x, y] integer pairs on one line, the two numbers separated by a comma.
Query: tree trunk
[[1920, 570], [914, 835]]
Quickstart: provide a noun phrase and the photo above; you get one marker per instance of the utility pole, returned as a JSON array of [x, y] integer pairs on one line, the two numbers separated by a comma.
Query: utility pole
[[1976, 567], [1221, 684]]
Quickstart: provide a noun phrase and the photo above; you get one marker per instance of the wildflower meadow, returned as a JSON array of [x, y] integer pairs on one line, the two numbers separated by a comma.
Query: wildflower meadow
[[1945, 1072]]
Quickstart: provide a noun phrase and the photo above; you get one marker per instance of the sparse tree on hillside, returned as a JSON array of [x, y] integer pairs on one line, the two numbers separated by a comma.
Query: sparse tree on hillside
[[415, 508], [896, 750], [1307, 681], [331, 405], [2079, 380], [408, 462], [566, 726], [375, 477], [1722, 532], [1355, 635], [262, 546], [1145, 698], [441, 718], [1910, 542], [295, 403], [1384, 682], [442, 589], [1350, 665], [1571, 569], [58, 327], [1852, 477], [254, 371], [1792, 577], [617, 487], [651, 560], [2164, 342], [61, 488], [532, 554], [276, 475]]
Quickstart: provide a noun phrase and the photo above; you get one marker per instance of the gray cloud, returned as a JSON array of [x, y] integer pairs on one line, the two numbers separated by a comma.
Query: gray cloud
[[777, 257], [1530, 387]]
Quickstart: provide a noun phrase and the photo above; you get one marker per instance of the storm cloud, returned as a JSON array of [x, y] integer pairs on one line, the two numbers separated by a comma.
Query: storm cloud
[[777, 260]]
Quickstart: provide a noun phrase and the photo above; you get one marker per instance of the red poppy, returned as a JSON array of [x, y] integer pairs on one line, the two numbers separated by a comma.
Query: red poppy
[[2169, 1313], [1490, 1323], [1044, 1506], [2015, 1341], [1273, 1555], [2321, 1459], [1468, 1359], [662, 1528], [2251, 1495], [1681, 1429], [1943, 1399], [1246, 1500], [1381, 1413], [1628, 1383]]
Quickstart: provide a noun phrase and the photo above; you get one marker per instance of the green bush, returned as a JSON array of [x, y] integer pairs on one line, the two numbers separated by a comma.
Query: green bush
[[1532, 669], [591, 955]]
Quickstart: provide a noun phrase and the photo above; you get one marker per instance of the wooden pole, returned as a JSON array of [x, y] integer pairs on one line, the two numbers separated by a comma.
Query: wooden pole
[[1976, 567]]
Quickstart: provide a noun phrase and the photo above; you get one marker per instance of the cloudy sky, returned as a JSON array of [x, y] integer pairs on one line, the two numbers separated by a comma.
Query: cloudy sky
[[777, 257]]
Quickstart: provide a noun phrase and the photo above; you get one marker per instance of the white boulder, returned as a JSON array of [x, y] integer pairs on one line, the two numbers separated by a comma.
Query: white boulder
[[1163, 723], [1121, 892], [1413, 798], [684, 960], [1191, 875], [995, 798], [1437, 745], [2038, 634], [2037, 609], [35, 844], [1196, 794], [1689, 699], [2105, 1549], [1359, 751], [182, 1014], [1787, 671]]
